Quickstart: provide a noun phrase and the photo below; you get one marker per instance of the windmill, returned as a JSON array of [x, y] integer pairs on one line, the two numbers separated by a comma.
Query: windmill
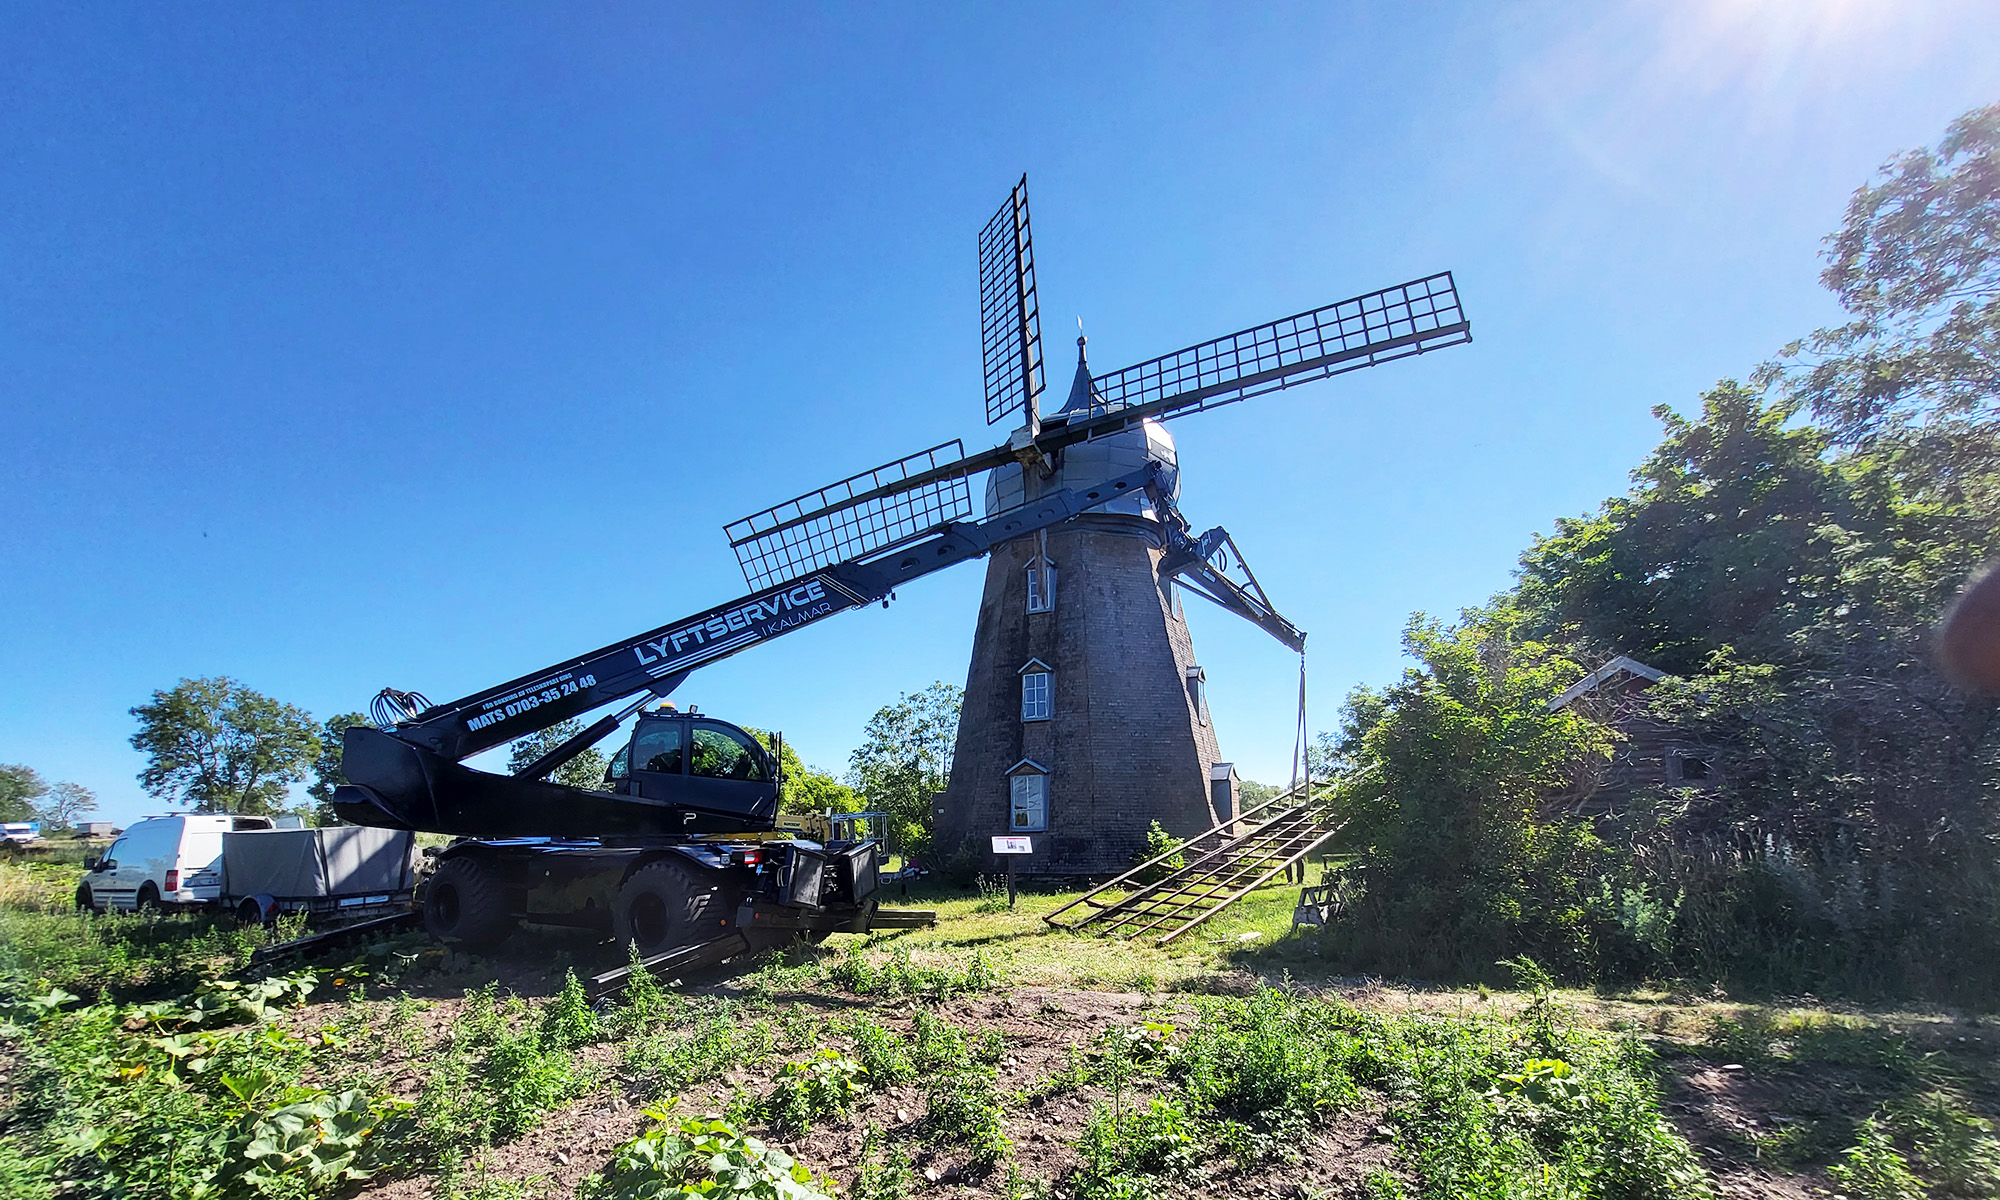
[[1085, 713]]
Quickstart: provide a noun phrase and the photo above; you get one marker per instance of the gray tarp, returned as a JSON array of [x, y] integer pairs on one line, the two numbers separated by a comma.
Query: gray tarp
[[341, 860]]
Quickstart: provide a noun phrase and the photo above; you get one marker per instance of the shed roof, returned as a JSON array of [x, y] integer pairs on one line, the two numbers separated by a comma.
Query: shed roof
[[1620, 665]]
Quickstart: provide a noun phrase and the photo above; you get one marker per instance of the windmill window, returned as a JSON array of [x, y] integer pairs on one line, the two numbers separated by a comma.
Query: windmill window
[[1041, 587], [1197, 688], [1036, 702], [1029, 793], [1686, 768]]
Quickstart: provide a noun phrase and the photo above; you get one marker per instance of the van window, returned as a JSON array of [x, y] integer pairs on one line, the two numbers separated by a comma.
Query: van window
[[151, 837], [241, 823], [118, 847]]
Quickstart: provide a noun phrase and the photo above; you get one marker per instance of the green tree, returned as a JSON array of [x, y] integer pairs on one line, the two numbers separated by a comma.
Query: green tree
[[20, 787], [326, 766], [807, 790], [1250, 793], [1441, 781], [217, 746], [66, 804], [1916, 264], [585, 771], [904, 760]]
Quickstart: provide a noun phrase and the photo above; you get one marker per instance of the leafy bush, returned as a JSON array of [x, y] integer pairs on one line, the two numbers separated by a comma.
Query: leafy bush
[[1158, 842], [497, 1073]]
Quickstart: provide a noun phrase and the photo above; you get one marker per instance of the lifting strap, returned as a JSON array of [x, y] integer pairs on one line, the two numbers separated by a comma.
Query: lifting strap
[[1301, 768]]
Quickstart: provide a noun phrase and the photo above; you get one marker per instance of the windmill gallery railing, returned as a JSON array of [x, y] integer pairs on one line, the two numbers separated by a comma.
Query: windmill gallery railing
[[1221, 866]]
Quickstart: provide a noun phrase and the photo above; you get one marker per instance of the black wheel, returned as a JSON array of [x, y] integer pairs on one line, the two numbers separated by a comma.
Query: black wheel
[[149, 899], [663, 905], [84, 900], [250, 913], [465, 903]]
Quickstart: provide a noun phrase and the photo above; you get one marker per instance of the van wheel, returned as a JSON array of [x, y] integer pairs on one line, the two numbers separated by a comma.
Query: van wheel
[[662, 906], [465, 903], [149, 899], [84, 900]]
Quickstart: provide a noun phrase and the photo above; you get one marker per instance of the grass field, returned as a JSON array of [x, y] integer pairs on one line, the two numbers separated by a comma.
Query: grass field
[[984, 1057]]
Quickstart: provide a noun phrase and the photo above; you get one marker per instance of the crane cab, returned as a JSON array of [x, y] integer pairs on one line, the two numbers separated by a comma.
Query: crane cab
[[696, 763]]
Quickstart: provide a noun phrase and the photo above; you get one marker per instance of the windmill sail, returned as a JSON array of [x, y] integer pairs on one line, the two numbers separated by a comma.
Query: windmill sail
[[1410, 318], [860, 515], [1010, 322]]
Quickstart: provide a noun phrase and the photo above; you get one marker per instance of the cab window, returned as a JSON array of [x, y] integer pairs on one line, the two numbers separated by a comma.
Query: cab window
[[111, 855], [657, 747], [725, 754]]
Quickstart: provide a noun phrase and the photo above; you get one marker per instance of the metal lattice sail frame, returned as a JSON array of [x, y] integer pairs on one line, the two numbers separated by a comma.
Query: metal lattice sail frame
[[1010, 320], [858, 516], [1347, 335]]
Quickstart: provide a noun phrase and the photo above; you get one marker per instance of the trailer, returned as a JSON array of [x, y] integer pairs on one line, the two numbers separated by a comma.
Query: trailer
[[334, 875]]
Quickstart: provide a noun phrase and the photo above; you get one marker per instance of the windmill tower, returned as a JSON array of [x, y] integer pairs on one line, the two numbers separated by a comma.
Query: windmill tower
[[1085, 712], [1084, 718]]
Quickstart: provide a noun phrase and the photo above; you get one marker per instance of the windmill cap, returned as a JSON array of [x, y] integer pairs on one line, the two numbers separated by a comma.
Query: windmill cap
[[1080, 390]]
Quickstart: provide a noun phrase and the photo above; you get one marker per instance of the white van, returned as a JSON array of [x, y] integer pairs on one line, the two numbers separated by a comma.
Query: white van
[[161, 862]]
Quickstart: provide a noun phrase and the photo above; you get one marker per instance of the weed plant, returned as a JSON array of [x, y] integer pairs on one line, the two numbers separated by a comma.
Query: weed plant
[[885, 1172], [882, 1052], [195, 1097], [899, 975], [699, 1158], [806, 1093], [1480, 1108], [131, 954], [1924, 1125], [709, 1036]]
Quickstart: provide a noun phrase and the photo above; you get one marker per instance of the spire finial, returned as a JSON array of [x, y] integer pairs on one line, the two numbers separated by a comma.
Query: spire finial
[[1080, 339]]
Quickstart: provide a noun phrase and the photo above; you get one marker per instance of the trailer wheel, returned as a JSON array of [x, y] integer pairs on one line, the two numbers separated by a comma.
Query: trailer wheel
[[664, 905], [464, 903], [250, 912]]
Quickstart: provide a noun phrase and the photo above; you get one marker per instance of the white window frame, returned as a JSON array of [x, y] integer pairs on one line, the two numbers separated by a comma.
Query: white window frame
[[1038, 701], [1028, 802], [1041, 587]]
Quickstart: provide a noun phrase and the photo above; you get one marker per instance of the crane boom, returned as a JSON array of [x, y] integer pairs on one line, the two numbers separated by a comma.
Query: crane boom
[[660, 658]]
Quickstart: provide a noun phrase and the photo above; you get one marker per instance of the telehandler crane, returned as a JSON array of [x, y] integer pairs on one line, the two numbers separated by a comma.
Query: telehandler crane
[[682, 846]]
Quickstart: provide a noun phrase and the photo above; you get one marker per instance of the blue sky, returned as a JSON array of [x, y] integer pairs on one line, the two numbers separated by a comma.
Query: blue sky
[[424, 345]]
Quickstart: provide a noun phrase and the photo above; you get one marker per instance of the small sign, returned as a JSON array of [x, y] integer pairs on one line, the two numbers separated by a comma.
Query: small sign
[[1013, 845]]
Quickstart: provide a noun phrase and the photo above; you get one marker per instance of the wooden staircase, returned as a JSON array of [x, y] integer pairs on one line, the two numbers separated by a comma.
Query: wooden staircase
[[1223, 865]]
